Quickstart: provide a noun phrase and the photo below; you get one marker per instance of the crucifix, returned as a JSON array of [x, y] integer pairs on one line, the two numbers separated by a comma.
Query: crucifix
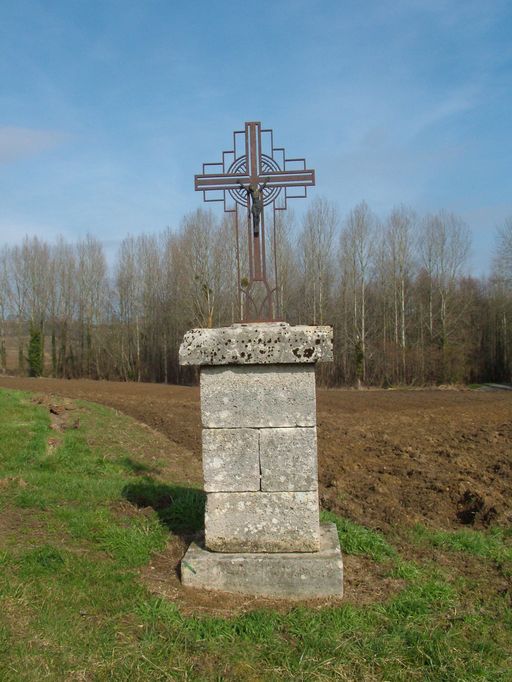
[[251, 176]]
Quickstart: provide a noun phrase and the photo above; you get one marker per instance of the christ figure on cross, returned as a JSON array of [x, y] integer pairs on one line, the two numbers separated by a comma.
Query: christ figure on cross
[[256, 193]]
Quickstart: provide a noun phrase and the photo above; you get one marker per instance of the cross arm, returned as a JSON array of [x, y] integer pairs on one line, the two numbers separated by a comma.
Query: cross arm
[[223, 181], [218, 182], [292, 178]]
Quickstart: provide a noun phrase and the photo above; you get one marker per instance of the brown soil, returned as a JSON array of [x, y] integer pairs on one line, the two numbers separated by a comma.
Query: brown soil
[[386, 458], [389, 458]]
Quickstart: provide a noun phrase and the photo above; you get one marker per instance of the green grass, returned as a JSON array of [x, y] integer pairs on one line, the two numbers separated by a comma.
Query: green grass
[[356, 539], [494, 544], [78, 523]]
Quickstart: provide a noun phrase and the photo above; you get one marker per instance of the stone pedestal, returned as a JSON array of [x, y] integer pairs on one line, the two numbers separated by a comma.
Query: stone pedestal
[[258, 412]]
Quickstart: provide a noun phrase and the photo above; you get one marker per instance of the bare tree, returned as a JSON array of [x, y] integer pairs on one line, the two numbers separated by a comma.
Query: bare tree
[[289, 298], [29, 287], [4, 284], [93, 301], [316, 242], [502, 264], [399, 245], [128, 282], [357, 253], [500, 332], [63, 300], [205, 258], [444, 246]]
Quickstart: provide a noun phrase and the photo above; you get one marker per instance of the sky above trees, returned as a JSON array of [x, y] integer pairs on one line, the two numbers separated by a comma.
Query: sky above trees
[[108, 108]]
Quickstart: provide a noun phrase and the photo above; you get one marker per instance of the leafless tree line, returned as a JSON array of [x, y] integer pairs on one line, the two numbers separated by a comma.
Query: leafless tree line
[[404, 309]]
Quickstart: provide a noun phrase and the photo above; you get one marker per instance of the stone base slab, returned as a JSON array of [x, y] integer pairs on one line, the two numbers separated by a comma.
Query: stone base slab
[[291, 576]]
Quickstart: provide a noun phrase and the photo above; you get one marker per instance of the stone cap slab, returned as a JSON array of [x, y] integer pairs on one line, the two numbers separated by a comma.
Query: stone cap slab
[[264, 343]]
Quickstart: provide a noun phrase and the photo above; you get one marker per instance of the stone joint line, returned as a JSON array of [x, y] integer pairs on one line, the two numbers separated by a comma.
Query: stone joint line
[[259, 460]]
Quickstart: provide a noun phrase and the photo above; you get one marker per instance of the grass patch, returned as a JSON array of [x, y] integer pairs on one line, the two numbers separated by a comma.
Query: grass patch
[[23, 431], [494, 544], [78, 521], [356, 539]]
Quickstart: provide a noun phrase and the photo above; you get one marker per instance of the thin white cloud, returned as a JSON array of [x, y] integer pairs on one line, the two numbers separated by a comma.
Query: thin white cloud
[[16, 142], [457, 102]]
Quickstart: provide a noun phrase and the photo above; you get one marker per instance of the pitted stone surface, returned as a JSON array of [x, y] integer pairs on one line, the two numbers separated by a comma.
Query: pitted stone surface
[[290, 576], [266, 396], [231, 460], [288, 459], [262, 522], [263, 343]]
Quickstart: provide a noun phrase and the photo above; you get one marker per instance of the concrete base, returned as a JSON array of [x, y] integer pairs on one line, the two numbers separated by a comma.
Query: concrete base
[[301, 575]]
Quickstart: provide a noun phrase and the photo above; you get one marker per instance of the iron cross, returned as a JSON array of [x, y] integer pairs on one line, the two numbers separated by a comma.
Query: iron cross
[[255, 174]]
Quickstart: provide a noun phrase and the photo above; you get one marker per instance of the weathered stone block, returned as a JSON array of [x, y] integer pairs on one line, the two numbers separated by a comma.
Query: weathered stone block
[[231, 460], [262, 522], [290, 576], [278, 395], [288, 459], [257, 344]]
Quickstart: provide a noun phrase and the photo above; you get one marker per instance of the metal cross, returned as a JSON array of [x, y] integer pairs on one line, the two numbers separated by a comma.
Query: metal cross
[[255, 163]]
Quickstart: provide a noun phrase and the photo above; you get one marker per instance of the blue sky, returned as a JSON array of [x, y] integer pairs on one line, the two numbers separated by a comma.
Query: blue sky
[[108, 108]]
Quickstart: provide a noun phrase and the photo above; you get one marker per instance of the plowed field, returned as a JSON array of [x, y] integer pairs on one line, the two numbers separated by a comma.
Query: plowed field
[[386, 458]]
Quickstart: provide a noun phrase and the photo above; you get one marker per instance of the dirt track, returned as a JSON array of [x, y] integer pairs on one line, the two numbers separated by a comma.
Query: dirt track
[[386, 458]]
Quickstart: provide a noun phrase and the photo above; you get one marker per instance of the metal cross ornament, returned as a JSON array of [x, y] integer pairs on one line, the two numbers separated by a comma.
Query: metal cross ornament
[[252, 176]]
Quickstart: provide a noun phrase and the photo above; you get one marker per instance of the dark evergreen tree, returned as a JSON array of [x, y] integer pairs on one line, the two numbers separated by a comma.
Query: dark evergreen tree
[[35, 352]]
